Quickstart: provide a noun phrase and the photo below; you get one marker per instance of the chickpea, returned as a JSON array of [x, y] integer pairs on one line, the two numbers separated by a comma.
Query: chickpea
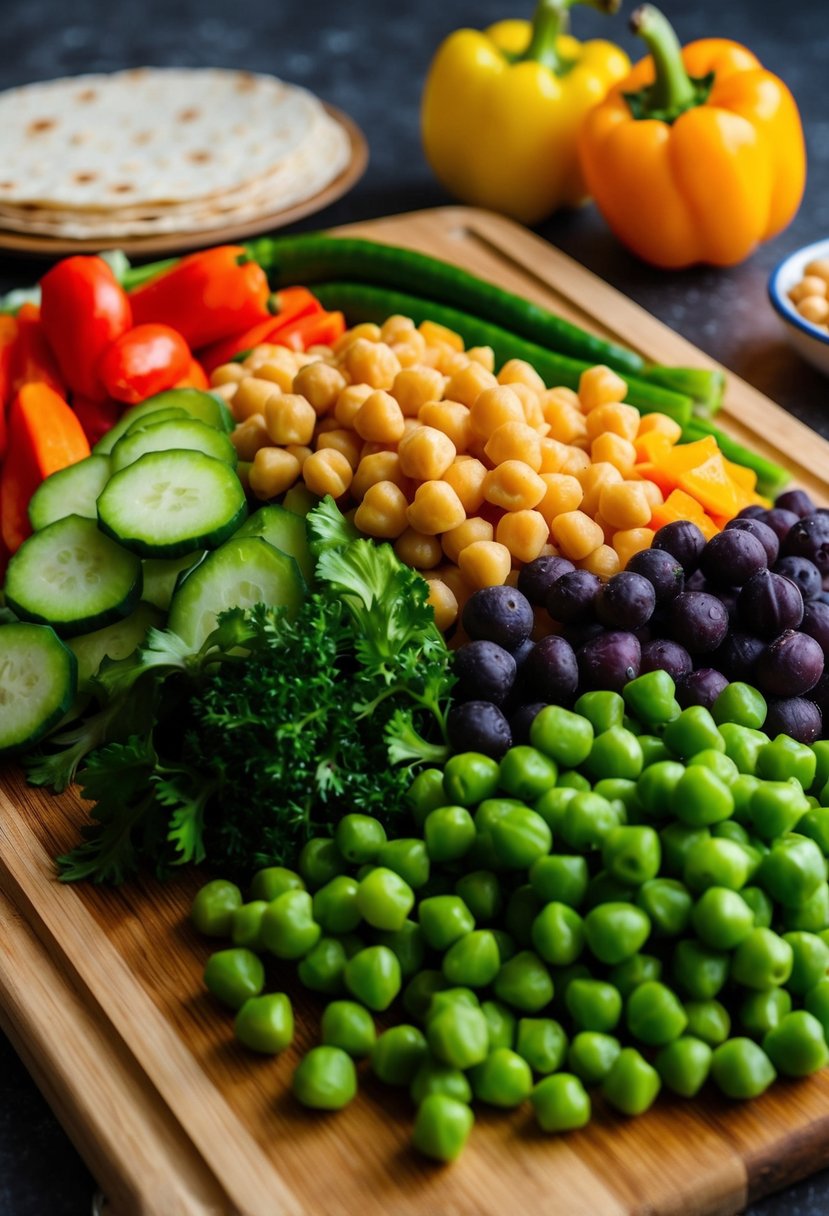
[[814, 309], [319, 384]]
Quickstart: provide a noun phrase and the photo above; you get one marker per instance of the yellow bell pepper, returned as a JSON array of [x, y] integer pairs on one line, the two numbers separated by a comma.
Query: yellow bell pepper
[[502, 110]]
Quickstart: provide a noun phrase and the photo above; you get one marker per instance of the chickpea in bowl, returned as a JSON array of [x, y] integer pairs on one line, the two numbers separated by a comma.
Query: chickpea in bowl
[[799, 293]]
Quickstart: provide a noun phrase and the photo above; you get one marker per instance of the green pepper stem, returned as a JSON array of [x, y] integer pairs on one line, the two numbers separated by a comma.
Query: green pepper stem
[[552, 19], [672, 90]]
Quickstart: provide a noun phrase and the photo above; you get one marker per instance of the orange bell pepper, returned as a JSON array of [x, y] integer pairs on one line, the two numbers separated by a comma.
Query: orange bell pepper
[[194, 377], [32, 361], [698, 155]]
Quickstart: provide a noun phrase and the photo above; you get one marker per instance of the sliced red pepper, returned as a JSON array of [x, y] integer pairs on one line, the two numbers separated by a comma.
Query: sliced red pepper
[[322, 329], [32, 361], [83, 309], [206, 296], [96, 417], [144, 361], [44, 436], [8, 337], [291, 304]]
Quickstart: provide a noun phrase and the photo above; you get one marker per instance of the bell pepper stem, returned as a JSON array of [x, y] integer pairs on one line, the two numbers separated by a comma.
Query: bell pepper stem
[[552, 19], [672, 89]]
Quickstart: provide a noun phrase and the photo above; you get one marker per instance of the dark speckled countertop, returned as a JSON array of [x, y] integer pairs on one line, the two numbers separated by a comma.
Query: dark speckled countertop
[[370, 58]]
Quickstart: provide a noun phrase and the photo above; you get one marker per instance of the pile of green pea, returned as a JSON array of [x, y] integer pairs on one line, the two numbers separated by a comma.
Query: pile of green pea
[[638, 898]]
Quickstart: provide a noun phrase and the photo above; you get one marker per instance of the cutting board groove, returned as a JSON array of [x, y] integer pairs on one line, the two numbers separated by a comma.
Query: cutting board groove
[[101, 991]]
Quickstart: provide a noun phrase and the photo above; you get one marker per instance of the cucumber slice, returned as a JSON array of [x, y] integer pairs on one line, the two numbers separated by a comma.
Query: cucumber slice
[[176, 434], [161, 575], [38, 682], [72, 577], [167, 504], [128, 419], [244, 572], [71, 491], [198, 404], [299, 500], [153, 418], [286, 532], [113, 641]]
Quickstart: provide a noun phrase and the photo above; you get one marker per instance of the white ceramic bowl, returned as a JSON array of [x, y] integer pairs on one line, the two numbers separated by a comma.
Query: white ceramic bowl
[[809, 341]]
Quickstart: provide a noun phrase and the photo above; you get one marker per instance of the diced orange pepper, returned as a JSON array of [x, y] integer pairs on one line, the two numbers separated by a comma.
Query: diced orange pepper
[[678, 505], [711, 485], [648, 471], [652, 446], [745, 478], [685, 456], [707, 526]]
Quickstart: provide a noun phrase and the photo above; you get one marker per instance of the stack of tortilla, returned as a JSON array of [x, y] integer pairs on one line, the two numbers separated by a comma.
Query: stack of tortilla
[[156, 151]]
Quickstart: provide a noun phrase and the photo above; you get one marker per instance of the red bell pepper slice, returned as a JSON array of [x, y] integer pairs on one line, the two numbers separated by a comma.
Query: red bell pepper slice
[[291, 303], [83, 309]]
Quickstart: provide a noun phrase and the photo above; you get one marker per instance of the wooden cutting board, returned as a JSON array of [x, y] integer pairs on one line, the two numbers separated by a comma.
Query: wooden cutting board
[[100, 990]]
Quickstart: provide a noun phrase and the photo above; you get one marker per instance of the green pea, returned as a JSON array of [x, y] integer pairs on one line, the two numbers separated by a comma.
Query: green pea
[[458, 1035], [419, 992], [729, 829], [812, 916], [560, 879], [684, 1065], [501, 1023], [651, 698], [373, 977], [700, 798], [593, 1005], [268, 884], [335, 905], [397, 1054], [449, 833], [408, 944], [522, 908], [742, 745], [741, 1069], [359, 838], [526, 773], [325, 1079], [677, 841], [775, 808], [741, 704], [718, 763], [632, 854], [288, 926], [442, 1126], [433, 1077], [473, 959], [246, 928], [426, 793], [480, 890], [319, 861], [615, 753], [654, 1014], [793, 870], [632, 1084], [786, 758], [700, 971], [653, 750], [591, 1056], [604, 888], [655, 788], [469, 778], [760, 905], [234, 975], [561, 1103], [348, 1025], [714, 862], [797, 1047], [552, 806], [761, 1011], [265, 1023], [506, 943], [634, 971], [601, 709], [810, 961], [384, 899], [214, 906], [503, 1079], [588, 819], [816, 1002], [323, 968], [615, 931], [709, 1021], [443, 919], [563, 736], [692, 732], [542, 1043], [815, 824], [407, 857], [763, 959], [722, 918], [520, 837], [524, 983], [557, 934], [667, 904], [573, 780]]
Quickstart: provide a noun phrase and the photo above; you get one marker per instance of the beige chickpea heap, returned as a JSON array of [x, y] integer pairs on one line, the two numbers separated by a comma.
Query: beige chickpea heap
[[468, 473], [810, 295]]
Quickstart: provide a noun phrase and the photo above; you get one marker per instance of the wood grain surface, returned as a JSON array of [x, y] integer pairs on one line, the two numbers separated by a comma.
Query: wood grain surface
[[101, 989]]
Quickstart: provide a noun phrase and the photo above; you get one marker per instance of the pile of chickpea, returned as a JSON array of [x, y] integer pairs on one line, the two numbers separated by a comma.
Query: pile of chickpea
[[467, 472]]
